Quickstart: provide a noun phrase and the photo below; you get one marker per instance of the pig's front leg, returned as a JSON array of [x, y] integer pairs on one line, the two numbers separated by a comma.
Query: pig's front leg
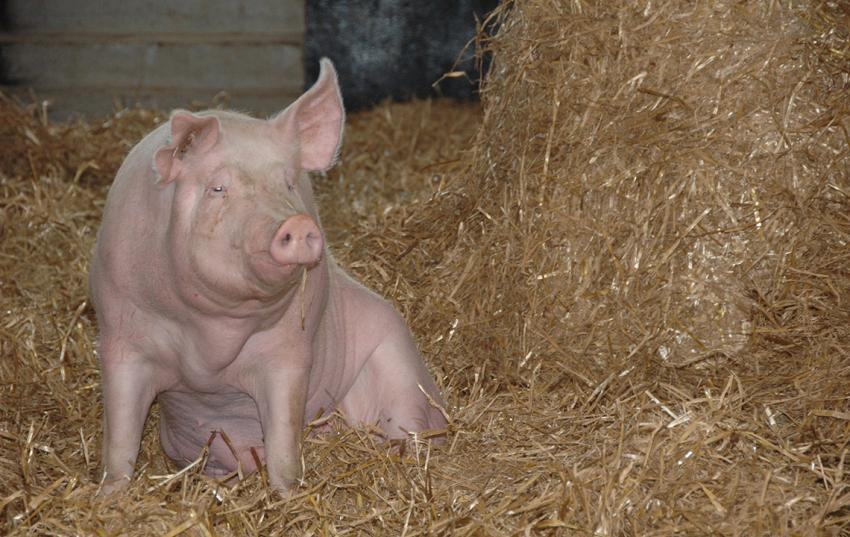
[[128, 390], [281, 395]]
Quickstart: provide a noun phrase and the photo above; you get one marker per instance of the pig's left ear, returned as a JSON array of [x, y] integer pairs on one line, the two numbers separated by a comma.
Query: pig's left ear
[[317, 119], [190, 133]]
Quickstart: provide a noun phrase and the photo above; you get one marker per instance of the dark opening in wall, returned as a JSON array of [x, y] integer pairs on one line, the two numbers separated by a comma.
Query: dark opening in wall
[[5, 27], [395, 48]]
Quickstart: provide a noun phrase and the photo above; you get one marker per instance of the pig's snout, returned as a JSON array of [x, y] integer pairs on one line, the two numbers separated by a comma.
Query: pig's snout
[[297, 241]]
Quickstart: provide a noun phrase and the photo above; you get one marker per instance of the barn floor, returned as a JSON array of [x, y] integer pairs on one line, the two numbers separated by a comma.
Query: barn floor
[[54, 185], [575, 408]]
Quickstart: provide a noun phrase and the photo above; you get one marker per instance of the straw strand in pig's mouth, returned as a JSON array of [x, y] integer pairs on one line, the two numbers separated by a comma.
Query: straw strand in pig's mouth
[[301, 294]]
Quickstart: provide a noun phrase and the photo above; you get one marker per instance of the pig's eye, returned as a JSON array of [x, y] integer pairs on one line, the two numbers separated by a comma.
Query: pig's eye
[[290, 187], [218, 189]]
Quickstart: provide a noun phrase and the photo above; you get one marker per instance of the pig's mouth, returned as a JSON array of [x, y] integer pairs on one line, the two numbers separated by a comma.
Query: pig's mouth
[[274, 276], [275, 255]]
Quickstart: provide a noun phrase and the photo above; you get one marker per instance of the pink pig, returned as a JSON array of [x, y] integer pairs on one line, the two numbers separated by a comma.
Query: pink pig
[[215, 295]]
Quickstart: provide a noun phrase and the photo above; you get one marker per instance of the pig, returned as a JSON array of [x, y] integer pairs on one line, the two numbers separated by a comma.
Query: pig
[[216, 296]]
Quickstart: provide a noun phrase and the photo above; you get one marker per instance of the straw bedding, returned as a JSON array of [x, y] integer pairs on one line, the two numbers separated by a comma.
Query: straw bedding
[[628, 270]]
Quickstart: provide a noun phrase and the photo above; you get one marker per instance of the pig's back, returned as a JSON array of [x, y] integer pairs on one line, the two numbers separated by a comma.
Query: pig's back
[[130, 241]]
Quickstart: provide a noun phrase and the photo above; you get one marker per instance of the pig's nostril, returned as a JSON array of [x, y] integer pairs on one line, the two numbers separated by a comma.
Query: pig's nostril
[[314, 240], [297, 241]]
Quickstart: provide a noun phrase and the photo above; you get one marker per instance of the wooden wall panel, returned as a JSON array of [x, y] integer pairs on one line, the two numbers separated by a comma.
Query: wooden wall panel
[[86, 55]]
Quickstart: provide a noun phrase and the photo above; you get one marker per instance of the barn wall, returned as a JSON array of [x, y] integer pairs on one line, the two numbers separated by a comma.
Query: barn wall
[[83, 54]]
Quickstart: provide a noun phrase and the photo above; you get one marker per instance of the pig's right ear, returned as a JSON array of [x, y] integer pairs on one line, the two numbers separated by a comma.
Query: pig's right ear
[[190, 133], [316, 120]]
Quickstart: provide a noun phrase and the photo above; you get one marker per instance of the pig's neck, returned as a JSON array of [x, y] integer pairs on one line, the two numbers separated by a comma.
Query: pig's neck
[[257, 312], [224, 327]]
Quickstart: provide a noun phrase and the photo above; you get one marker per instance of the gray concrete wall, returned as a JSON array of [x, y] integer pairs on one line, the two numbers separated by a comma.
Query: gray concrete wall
[[90, 56]]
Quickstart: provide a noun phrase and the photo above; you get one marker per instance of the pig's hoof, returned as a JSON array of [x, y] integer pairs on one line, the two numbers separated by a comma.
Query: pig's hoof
[[285, 488], [111, 485], [283, 493]]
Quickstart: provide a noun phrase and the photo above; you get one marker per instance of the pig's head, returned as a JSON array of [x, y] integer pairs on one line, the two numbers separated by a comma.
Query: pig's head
[[243, 222]]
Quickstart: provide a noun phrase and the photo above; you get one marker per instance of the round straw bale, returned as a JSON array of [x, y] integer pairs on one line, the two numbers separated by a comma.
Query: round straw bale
[[644, 170]]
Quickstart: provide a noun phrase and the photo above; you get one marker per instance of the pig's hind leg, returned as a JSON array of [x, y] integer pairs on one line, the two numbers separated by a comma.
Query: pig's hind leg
[[388, 391]]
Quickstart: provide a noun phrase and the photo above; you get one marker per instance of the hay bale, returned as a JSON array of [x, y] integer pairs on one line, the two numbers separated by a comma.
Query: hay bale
[[652, 166]]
